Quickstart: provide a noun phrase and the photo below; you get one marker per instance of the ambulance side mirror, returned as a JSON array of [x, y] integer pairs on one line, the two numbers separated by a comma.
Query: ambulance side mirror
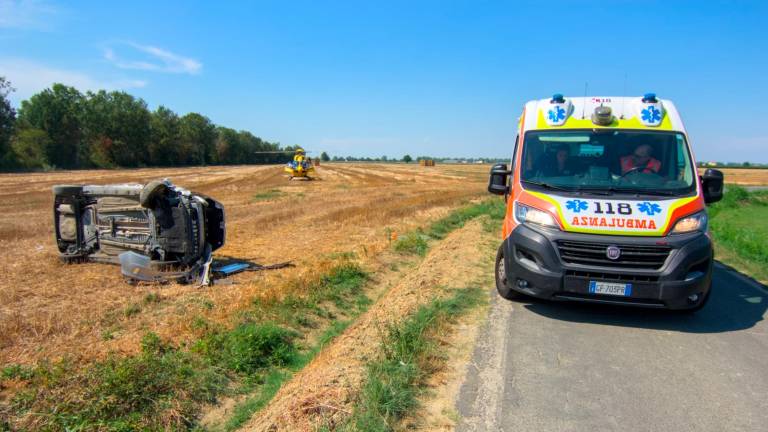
[[712, 183], [498, 182]]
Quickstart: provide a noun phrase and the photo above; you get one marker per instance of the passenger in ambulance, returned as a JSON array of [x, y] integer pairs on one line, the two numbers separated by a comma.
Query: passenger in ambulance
[[640, 161], [556, 164]]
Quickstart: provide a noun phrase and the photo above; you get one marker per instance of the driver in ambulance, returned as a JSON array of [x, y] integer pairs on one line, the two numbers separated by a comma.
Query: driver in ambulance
[[640, 161]]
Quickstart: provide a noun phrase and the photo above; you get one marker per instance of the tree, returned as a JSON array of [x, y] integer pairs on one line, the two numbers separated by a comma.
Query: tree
[[29, 148], [61, 127], [117, 128], [407, 159], [324, 157], [197, 139], [164, 144], [249, 145], [57, 111], [227, 145], [7, 121]]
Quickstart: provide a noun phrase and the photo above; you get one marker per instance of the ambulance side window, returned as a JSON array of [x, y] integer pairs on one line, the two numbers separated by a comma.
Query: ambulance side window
[[683, 173]]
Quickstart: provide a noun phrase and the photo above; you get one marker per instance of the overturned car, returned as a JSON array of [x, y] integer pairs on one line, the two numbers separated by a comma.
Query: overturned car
[[156, 232]]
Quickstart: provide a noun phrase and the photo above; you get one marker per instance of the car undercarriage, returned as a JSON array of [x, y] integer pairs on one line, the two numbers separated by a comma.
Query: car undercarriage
[[156, 231]]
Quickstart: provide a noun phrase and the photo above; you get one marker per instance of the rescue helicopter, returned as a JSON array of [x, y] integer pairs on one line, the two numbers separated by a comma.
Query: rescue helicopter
[[300, 167]]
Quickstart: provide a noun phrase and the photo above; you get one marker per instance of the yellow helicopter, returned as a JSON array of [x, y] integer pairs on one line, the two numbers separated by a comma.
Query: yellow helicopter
[[300, 167]]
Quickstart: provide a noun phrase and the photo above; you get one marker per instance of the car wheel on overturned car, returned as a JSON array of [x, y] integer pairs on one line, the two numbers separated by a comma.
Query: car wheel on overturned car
[[62, 190], [151, 191], [503, 285]]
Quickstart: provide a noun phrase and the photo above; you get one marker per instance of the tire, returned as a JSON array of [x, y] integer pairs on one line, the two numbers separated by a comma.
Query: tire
[[151, 191], [502, 283], [61, 190]]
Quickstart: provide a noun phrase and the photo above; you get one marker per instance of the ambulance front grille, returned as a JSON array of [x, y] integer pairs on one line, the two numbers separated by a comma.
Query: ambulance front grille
[[651, 257]]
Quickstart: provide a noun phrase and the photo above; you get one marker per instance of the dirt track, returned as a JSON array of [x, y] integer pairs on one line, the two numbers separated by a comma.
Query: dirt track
[[49, 310]]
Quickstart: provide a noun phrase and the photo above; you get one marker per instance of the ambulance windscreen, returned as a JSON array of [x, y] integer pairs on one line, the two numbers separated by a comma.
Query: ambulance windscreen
[[651, 162]]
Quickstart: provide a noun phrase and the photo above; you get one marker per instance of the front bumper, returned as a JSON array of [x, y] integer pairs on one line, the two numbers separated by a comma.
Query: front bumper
[[535, 267]]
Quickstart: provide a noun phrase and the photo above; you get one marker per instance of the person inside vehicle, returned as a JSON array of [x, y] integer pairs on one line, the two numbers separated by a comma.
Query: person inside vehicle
[[557, 164], [640, 161]]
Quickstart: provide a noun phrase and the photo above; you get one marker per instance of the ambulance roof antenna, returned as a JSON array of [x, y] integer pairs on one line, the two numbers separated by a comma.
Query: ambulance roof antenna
[[623, 97], [584, 102]]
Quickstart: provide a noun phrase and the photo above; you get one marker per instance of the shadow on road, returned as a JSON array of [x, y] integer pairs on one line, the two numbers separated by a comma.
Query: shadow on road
[[738, 302]]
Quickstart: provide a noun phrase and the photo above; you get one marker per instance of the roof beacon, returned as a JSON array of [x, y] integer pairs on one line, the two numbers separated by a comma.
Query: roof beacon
[[559, 111], [650, 111], [603, 116], [650, 98]]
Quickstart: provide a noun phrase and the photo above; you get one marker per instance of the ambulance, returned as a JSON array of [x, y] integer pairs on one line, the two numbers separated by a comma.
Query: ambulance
[[604, 204]]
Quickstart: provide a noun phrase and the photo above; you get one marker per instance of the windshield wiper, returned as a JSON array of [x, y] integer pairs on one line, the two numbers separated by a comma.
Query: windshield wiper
[[549, 186], [610, 190], [648, 192], [598, 191]]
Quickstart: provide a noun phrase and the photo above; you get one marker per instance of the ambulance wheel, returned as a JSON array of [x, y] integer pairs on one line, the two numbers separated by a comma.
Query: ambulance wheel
[[503, 285]]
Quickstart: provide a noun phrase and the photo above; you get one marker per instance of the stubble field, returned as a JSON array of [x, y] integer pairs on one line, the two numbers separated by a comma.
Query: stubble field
[[50, 310]]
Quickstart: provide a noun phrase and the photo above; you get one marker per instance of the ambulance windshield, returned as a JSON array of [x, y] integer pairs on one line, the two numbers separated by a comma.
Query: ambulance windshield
[[602, 160]]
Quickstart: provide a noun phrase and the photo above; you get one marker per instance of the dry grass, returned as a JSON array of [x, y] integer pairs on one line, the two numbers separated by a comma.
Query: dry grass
[[49, 310]]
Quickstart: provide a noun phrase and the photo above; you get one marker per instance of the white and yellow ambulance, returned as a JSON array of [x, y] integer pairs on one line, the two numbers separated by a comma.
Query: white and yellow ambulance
[[604, 204]]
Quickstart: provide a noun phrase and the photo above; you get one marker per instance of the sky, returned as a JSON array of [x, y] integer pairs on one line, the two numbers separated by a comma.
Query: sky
[[373, 78]]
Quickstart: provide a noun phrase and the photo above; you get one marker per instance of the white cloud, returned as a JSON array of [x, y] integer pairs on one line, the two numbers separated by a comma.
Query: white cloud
[[32, 14], [29, 77], [149, 58]]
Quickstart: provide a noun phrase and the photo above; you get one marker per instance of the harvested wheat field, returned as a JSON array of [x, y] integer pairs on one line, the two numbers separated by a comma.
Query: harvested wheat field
[[744, 176], [84, 314], [49, 309]]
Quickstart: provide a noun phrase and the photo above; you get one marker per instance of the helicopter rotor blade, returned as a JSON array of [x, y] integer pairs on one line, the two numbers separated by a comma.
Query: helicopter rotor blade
[[279, 152]]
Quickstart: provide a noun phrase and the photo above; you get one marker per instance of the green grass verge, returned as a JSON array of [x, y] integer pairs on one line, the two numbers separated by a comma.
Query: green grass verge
[[416, 242], [739, 224], [393, 381], [275, 379], [342, 286], [161, 387], [165, 386], [493, 207]]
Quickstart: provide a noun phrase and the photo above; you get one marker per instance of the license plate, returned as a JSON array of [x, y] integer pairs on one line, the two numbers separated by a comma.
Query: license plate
[[610, 288]]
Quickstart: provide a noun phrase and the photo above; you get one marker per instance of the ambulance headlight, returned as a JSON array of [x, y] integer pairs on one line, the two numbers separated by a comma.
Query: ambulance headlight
[[694, 222], [525, 214]]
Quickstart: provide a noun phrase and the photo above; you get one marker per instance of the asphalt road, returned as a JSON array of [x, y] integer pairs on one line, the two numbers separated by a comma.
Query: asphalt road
[[541, 366]]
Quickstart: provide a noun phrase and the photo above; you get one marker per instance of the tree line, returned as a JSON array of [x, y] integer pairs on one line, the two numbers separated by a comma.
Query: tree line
[[751, 165], [61, 127], [408, 159]]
